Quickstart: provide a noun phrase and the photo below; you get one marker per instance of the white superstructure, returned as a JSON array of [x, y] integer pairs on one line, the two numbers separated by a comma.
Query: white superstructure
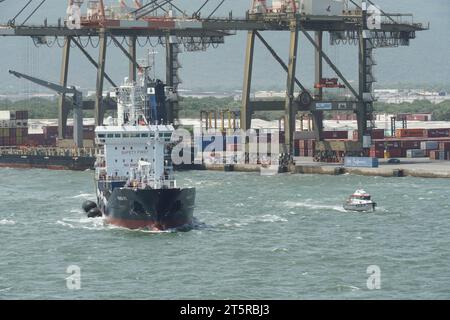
[[135, 154], [132, 150]]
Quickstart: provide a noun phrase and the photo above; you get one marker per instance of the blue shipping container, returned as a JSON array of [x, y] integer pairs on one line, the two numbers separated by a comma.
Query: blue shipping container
[[361, 162]]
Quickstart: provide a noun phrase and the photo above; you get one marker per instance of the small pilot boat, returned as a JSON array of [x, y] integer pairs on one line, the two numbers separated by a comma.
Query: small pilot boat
[[360, 201]]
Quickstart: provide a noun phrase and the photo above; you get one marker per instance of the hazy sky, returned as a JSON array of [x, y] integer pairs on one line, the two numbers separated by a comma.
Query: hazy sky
[[426, 61]]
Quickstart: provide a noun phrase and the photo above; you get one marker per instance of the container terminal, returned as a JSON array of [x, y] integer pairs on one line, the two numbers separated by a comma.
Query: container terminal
[[309, 148]]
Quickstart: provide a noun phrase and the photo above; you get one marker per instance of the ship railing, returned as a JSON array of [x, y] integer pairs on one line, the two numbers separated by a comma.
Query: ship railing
[[49, 152], [163, 183], [106, 178]]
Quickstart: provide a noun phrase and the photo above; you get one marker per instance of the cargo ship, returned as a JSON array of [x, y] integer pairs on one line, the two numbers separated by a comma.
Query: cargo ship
[[21, 149], [134, 179], [47, 158]]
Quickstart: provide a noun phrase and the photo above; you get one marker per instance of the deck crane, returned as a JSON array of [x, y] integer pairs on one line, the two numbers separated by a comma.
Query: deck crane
[[77, 103]]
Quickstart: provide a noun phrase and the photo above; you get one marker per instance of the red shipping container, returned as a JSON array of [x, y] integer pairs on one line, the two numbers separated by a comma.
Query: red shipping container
[[396, 152], [434, 155], [311, 144], [376, 153], [411, 133], [335, 134], [377, 133], [444, 146]]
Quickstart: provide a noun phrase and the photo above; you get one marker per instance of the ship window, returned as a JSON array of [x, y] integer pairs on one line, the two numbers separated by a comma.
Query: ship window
[[116, 160], [101, 135], [126, 135], [131, 160], [131, 148], [123, 148], [146, 148], [117, 135], [115, 148], [110, 135], [144, 135]]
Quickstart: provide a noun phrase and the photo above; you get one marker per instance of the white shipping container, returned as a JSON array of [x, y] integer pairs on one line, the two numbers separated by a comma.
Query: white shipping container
[[367, 141], [322, 7], [5, 115]]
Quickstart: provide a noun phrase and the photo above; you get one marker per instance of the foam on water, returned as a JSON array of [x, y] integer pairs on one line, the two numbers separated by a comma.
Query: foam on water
[[314, 206], [6, 222], [84, 196], [99, 223]]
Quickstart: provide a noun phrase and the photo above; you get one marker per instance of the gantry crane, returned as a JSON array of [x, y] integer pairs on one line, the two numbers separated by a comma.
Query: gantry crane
[[77, 103]]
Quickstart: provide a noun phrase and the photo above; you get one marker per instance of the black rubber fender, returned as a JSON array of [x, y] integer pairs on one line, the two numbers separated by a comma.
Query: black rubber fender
[[94, 213], [88, 205]]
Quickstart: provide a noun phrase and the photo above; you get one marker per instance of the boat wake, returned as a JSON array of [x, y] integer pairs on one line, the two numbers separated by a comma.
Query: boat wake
[[249, 220], [313, 206]]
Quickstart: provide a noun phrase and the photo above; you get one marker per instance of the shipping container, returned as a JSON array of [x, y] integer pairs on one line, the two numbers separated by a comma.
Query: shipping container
[[410, 133], [361, 162], [5, 115], [35, 140], [429, 145], [387, 144], [415, 153], [397, 153], [434, 154], [376, 153], [410, 144], [444, 146], [437, 133], [374, 133], [335, 134]]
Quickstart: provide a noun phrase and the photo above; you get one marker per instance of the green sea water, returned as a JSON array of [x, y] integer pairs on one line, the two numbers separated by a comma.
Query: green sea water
[[281, 237]]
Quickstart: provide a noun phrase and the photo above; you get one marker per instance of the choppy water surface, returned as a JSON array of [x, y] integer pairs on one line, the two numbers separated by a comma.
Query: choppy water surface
[[283, 237]]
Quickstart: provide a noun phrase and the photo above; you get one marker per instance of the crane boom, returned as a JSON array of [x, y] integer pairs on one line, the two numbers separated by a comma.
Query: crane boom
[[50, 85], [77, 103]]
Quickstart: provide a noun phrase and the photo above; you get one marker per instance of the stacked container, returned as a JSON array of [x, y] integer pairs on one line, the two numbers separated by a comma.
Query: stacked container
[[13, 128]]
